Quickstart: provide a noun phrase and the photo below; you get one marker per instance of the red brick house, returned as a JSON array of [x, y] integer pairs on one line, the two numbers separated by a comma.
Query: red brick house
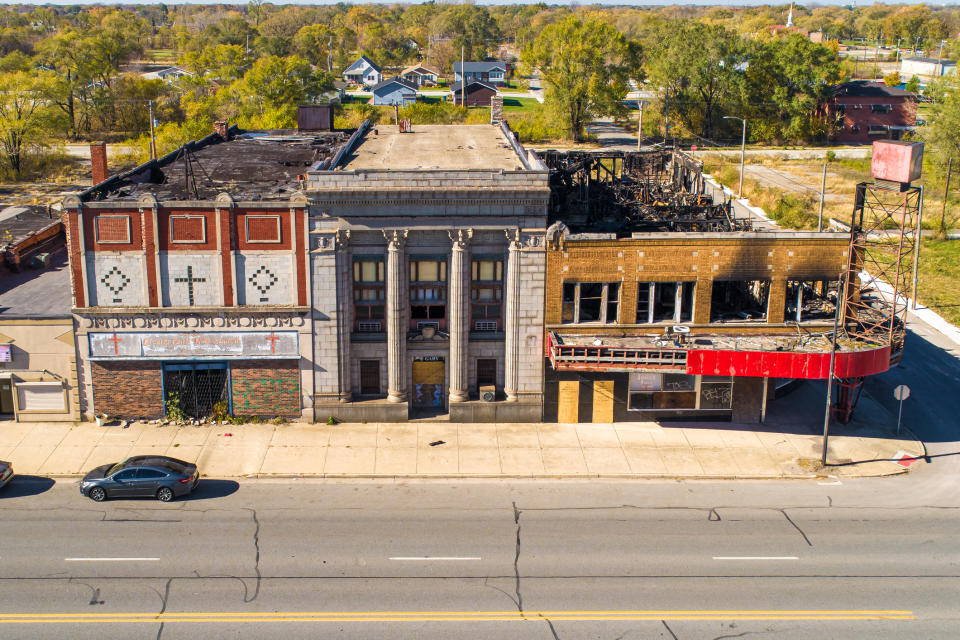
[[864, 111]]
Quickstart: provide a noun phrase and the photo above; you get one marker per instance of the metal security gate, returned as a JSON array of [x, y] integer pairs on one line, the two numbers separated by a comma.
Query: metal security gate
[[196, 386]]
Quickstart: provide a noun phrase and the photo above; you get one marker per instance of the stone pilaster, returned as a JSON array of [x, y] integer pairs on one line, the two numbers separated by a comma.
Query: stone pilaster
[[397, 304], [511, 319], [459, 313], [344, 270]]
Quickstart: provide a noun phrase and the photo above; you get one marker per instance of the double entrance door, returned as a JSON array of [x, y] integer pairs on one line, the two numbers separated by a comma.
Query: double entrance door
[[195, 387]]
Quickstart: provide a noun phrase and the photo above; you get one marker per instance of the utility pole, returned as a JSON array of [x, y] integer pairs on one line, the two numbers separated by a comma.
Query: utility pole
[[946, 194], [743, 149], [463, 77], [666, 116], [823, 188], [330, 55], [940, 59], [640, 127], [153, 139], [841, 296]]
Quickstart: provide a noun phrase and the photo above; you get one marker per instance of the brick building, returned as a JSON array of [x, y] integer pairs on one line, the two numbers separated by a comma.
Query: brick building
[[660, 304], [190, 282], [434, 239], [865, 111]]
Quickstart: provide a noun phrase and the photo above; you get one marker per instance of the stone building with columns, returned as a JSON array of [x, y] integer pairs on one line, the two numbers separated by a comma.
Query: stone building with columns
[[427, 259], [189, 279]]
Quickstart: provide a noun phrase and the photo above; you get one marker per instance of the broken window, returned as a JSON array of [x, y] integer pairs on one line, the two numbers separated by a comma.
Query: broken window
[[664, 302], [808, 300], [591, 302], [739, 300], [662, 391]]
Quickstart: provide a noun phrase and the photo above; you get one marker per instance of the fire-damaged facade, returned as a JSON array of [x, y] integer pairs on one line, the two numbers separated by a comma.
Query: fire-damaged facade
[[660, 303], [190, 282]]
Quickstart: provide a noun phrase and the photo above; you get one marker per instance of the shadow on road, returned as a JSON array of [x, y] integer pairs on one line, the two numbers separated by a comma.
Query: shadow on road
[[208, 489], [24, 486]]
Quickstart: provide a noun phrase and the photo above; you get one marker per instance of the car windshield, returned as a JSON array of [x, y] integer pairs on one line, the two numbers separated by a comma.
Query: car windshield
[[117, 467]]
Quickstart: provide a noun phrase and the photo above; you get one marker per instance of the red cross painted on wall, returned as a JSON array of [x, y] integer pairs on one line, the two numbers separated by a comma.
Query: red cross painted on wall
[[272, 339], [116, 344]]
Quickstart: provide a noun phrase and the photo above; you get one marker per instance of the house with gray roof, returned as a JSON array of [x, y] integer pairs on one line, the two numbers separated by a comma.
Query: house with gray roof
[[494, 73]]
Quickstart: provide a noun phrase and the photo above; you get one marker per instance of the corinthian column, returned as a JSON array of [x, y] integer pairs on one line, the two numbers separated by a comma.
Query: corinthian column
[[511, 319], [397, 296], [459, 316]]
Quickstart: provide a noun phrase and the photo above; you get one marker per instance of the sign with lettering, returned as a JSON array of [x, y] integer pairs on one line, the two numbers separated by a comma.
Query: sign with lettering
[[231, 345], [4, 353]]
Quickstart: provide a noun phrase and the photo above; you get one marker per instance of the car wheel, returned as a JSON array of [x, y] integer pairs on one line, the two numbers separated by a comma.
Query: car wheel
[[164, 494], [97, 494]]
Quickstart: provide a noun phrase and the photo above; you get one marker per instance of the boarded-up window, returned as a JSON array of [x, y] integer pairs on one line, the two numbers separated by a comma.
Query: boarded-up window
[[112, 229], [41, 397], [188, 229], [263, 228]]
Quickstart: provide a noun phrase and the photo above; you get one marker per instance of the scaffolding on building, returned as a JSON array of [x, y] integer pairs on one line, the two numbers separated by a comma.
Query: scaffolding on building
[[884, 232]]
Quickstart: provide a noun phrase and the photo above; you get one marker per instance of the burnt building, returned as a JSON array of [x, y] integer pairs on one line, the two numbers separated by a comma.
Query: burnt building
[[190, 283], [661, 303]]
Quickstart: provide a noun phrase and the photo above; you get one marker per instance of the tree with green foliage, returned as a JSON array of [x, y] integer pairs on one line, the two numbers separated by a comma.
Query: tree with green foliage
[[585, 66], [913, 84], [698, 81], [25, 118], [892, 79]]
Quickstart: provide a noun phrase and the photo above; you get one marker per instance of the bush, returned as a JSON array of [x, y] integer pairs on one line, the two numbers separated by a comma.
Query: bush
[[831, 156]]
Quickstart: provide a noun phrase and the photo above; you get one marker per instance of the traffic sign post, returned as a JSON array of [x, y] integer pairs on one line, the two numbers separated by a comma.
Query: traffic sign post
[[900, 392]]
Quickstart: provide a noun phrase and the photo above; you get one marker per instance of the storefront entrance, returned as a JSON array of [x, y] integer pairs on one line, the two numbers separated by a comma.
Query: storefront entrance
[[195, 387], [428, 381]]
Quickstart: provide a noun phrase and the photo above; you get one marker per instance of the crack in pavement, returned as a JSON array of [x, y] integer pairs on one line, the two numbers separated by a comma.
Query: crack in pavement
[[796, 526], [163, 603], [552, 629], [256, 546], [669, 630], [94, 591], [516, 560]]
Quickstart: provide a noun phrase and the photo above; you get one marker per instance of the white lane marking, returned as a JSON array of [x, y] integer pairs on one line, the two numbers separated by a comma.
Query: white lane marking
[[827, 484], [111, 559], [436, 558], [756, 558]]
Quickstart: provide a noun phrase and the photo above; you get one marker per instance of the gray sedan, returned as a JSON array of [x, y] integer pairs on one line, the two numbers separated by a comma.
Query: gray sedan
[[6, 473], [157, 477]]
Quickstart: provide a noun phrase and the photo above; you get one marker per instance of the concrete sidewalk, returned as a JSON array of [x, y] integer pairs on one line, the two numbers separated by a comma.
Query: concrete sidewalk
[[784, 448]]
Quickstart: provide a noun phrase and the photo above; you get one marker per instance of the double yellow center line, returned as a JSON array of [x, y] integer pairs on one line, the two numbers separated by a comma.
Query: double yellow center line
[[450, 616]]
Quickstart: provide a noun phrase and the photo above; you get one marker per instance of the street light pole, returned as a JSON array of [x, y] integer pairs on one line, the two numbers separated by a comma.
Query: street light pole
[[640, 128], [833, 358], [743, 149]]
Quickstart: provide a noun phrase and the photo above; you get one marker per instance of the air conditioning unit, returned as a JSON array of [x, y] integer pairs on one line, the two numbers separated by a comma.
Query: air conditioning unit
[[488, 393], [368, 327], [485, 325], [421, 325]]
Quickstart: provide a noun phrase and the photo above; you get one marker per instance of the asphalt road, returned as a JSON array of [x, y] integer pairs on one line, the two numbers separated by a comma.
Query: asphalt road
[[481, 560]]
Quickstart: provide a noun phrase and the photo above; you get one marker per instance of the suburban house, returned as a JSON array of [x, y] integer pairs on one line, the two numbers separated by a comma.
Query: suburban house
[[478, 94], [394, 91], [419, 75], [865, 111], [363, 71], [926, 67], [494, 73], [169, 74]]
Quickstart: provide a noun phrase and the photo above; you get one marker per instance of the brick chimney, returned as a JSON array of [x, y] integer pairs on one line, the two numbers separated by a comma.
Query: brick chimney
[[98, 162], [220, 128]]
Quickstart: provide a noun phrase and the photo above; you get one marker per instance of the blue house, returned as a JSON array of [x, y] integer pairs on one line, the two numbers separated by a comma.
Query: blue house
[[492, 73], [394, 91]]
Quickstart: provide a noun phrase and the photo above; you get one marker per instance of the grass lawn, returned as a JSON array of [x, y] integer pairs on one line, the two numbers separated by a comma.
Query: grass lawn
[[521, 104], [939, 272]]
